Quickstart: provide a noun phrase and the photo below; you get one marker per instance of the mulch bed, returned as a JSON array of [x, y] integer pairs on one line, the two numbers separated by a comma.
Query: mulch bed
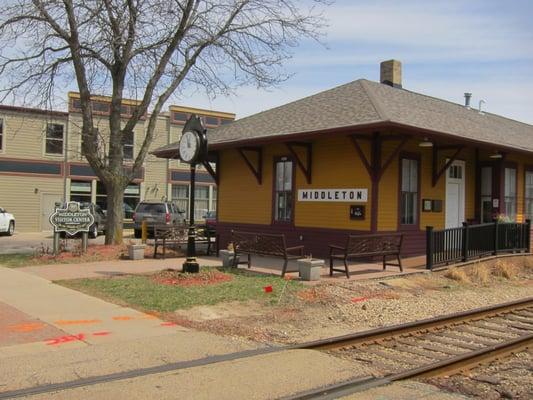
[[175, 278]]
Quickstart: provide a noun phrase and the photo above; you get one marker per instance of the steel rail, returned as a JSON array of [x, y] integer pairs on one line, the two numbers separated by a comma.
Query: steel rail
[[416, 326], [447, 366]]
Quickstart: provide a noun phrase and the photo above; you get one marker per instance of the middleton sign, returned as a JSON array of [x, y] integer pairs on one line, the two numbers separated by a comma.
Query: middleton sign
[[333, 195], [72, 219]]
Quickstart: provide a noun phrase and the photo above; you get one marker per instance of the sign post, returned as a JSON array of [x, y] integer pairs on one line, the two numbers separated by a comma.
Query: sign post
[[71, 220]]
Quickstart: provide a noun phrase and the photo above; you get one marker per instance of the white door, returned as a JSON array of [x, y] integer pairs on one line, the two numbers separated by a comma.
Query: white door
[[455, 194], [48, 201]]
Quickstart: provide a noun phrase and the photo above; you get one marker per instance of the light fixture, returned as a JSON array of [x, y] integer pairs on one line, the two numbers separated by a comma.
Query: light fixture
[[425, 143], [496, 155]]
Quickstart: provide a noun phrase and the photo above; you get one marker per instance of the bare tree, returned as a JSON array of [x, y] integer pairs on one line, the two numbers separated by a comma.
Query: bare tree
[[148, 50]]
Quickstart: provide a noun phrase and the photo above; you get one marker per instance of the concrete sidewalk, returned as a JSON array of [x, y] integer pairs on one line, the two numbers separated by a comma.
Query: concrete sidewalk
[[101, 269], [84, 319]]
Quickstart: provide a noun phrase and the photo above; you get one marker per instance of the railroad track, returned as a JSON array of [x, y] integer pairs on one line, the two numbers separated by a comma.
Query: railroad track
[[431, 347]]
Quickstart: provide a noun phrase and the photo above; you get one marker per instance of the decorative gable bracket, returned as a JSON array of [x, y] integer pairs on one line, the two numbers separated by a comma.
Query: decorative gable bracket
[[304, 165], [257, 169], [437, 174]]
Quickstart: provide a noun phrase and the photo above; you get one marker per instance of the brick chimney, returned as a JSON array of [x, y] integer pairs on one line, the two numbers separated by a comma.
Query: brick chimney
[[391, 73]]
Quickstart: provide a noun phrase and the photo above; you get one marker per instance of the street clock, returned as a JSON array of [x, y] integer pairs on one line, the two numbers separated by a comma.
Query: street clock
[[193, 142]]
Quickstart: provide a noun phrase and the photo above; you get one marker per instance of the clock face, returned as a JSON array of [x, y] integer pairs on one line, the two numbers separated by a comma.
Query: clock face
[[189, 146]]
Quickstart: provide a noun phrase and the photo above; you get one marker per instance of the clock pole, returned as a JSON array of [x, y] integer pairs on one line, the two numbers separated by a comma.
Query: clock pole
[[191, 265]]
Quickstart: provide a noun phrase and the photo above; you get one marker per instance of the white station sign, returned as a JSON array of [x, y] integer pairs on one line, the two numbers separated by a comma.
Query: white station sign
[[334, 195]]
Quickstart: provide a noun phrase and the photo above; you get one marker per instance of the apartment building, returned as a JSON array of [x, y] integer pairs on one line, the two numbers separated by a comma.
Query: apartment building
[[41, 161]]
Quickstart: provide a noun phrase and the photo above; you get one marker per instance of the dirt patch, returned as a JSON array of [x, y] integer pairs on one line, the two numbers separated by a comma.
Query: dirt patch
[[175, 278], [340, 307], [98, 252]]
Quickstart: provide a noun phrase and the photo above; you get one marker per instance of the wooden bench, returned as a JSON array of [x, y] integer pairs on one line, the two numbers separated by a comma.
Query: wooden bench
[[365, 246], [264, 244], [177, 235]]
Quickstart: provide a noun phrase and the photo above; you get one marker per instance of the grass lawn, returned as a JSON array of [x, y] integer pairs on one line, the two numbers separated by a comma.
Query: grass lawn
[[15, 260], [142, 292]]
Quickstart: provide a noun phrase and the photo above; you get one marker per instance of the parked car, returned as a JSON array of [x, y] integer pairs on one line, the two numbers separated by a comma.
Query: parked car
[[210, 219], [100, 220], [7, 222], [156, 213]]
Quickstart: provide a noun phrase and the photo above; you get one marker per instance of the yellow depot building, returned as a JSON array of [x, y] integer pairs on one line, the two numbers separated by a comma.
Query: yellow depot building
[[41, 161], [370, 157]]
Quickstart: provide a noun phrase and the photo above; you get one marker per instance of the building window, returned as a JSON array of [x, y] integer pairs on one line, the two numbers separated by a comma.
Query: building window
[[180, 117], [132, 196], [80, 191], [213, 198], [409, 192], [180, 195], [54, 139], [528, 195], [1, 134], [210, 121], [283, 191], [509, 200], [128, 145], [101, 107], [201, 202], [225, 121]]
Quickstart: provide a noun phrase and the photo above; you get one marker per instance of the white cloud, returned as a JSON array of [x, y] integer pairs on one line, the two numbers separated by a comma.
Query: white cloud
[[420, 31]]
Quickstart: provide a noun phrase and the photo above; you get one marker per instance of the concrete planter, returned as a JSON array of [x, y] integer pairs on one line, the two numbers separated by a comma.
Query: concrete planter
[[136, 251], [310, 268], [228, 258]]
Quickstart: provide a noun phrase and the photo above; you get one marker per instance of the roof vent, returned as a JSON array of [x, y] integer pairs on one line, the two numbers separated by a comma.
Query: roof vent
[[481, 102], [391, 73], [468, 96]]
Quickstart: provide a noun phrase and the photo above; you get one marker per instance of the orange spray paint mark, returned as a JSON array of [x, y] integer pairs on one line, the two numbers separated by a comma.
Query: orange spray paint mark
[[78, 322], [65, 339], [359, 299], [123, 318], [104, 333], [29, 327], [148, 316], [168, 324]]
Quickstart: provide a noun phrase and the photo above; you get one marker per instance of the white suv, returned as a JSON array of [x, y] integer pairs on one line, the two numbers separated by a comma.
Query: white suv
[[7, 222]]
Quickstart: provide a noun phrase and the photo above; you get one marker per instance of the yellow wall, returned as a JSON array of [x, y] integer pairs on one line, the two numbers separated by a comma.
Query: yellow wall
[[242, 200], [337, 165]]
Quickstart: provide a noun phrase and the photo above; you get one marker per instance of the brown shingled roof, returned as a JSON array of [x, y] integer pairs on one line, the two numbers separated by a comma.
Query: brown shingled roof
[[367, 104], [363, 103]]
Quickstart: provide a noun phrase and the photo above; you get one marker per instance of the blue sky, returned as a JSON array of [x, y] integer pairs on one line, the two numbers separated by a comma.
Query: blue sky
[[446, 48]]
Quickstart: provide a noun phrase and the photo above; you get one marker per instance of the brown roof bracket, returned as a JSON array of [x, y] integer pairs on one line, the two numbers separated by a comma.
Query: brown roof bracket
[[437, 174], [257, 170], [375, 169], [361, 153], [403, 140], [307, 167], [213, 157]]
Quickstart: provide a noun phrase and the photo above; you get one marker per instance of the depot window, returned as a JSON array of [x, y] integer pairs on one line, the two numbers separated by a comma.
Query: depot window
[[510, 193], [528, 195], [283, 190], [409, 192]]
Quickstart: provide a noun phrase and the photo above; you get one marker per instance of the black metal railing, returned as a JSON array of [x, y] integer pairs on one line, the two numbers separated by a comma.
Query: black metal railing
[[446, 246]]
